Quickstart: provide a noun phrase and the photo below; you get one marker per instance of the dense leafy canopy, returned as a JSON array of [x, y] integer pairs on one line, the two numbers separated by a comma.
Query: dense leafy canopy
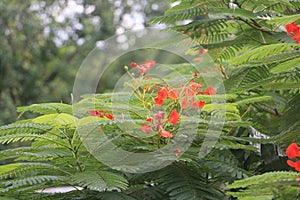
[[258, 62]]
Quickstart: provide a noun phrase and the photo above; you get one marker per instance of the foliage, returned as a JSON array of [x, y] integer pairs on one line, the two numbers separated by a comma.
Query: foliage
[[258, 62], [248, 42], [44, 42], [278, 185]]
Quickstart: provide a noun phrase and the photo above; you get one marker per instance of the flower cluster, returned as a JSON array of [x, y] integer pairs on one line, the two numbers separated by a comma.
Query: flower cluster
[[293, 152], [293, 31], [144, 67], [163, 123], [101, 114], [187, 92], [160, 122]]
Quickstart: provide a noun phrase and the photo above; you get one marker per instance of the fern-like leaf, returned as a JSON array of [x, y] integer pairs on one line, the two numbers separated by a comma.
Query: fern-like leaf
[[46, 108], [100, 180], [262, 52]]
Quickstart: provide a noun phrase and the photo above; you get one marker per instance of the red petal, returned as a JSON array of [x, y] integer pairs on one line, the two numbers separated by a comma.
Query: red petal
[[295, 165], [165, 134], [291, 27], [142, 70], [184, 103], [293, 31], [101, 113], [159, 115], [198, 104], [291, 163], [109, 116], [177, 150], [162, 93], [292, 151], [152, 63], [158, 101], [133, 64], [194, 87], [149, 119], [93, 112], [174, 117], [195, 74], [210, 91], [146, 128], [173, 94]]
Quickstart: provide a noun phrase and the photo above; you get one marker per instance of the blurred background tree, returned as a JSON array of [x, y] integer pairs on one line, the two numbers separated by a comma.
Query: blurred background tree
[[44, 42]]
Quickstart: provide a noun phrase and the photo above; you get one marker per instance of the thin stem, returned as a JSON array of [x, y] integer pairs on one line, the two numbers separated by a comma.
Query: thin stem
[[262, 37]]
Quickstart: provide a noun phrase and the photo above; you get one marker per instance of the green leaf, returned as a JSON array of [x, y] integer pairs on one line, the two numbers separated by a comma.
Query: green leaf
[[31, 180], [24, 127], [276, 59], [262, 52], [26, 167], [47, 108], [286, 66], [186, 182], [263, 179], [250, 100], [100, 180], [283, 20], [228, 107], [58, 120], [8, 168]]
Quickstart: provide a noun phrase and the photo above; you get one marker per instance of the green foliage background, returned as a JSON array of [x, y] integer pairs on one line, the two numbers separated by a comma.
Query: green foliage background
[[260, 70], [40, 54]]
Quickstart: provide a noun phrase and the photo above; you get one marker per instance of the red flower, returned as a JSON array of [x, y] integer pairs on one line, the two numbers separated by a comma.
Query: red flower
[[144, 67], [93, 112], [193, 88], [295, 165], [195, 74], [159, 115], [101, 113], [142, 70], [197, 104], [174, 117], [293, 151], [149, 119], [173, 93], [146, 128], [165, 134], [149, 64], [133, 64], [293, 31], [162, 93], [292, 27], [184, 103], [109, 116], [177, 152], [158, 101], [210, 91]]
